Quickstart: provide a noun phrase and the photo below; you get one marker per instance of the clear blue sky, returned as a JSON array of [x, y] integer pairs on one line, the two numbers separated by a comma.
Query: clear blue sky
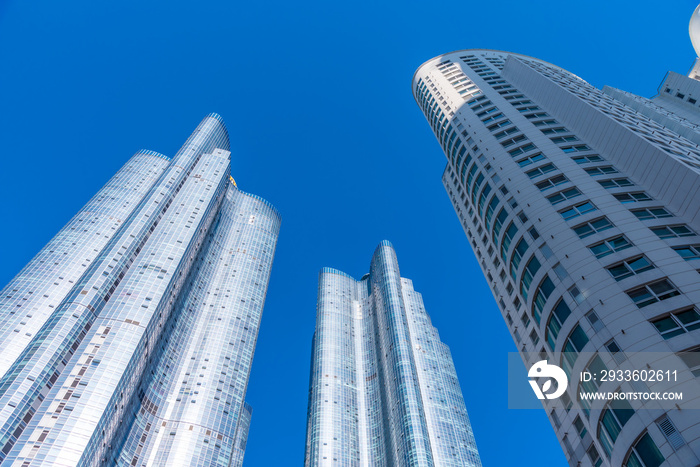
[[317, 99]]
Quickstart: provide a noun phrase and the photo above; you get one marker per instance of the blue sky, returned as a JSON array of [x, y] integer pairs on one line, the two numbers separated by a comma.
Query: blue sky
[[317, 99]]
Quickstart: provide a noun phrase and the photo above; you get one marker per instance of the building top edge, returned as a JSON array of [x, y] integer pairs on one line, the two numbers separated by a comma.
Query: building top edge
[[478, 50], [258, 198], [148, 152]]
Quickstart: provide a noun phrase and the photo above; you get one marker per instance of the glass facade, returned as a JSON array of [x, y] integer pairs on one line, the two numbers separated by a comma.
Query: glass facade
[[383, 389], [128, 339]]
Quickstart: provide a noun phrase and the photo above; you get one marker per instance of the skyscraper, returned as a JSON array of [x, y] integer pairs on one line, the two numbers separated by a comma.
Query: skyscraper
[[581, 206], [383, 389], [129, 337]]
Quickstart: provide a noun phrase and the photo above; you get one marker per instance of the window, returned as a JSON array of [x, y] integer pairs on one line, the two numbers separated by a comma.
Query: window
[[498, 125], [593, 455], [563, 139], [531, 269], [514, 140], [587, 159], [652, 293], [576, 294], [540, 170], [580, 428], [592, 227], [615, 351], [651, 213], [632, 197], [629, 268], [507, 238], [609, 246], [534, 233], [688, 252], [672, 231], [518, 253], [615, 183], [534, 337], [692, 359], [559, 314], [594, 321], [572, 347], [678, 322], [530, 160], [551, 182], [645, 454], [541, 295], [551, 131], [606, 169], [580, 147], [578, 210], [521, 149], [564, 195], [613, 418], [498, 223]]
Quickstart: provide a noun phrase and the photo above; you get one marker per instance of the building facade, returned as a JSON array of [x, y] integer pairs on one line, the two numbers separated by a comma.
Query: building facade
[[128, 338], [581, 206], [383, 389]]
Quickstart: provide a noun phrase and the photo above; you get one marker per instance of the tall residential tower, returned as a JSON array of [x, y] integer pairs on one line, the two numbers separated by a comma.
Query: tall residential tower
[[383, 390], [581, 206], [128, 339]]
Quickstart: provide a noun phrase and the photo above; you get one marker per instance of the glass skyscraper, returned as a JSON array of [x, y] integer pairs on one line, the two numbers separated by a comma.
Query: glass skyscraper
[[128, 339], [581, 206], [383, 389]]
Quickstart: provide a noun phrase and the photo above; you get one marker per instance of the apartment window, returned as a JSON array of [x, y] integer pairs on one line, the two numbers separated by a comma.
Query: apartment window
[[576, 294], [534, 233], [551, 131], [593, 455], [645, 453], [511, 231], [498, 223], [651, 213], [610, 246], [559, 314], [688, 252], [613, 418], [530, 160], [592, 227], [580, 427], [587, 159], [581, 147], [534, 337], [615, 183], [518, 253], [672, 231], [534, 173], [629, 268], [615, 351], [564, 139], [678, 322], [512, 141], [551, 182], [531, 269], [652, 293], [578, 210], [594, 321], [564, 196], [606, 169], [632, 197], [498, 125], [692, 359], [572, 347], [541, 295], [521, 149]]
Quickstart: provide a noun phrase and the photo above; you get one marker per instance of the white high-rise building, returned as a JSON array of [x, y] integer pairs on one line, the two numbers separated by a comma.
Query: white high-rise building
[[583, 208]]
